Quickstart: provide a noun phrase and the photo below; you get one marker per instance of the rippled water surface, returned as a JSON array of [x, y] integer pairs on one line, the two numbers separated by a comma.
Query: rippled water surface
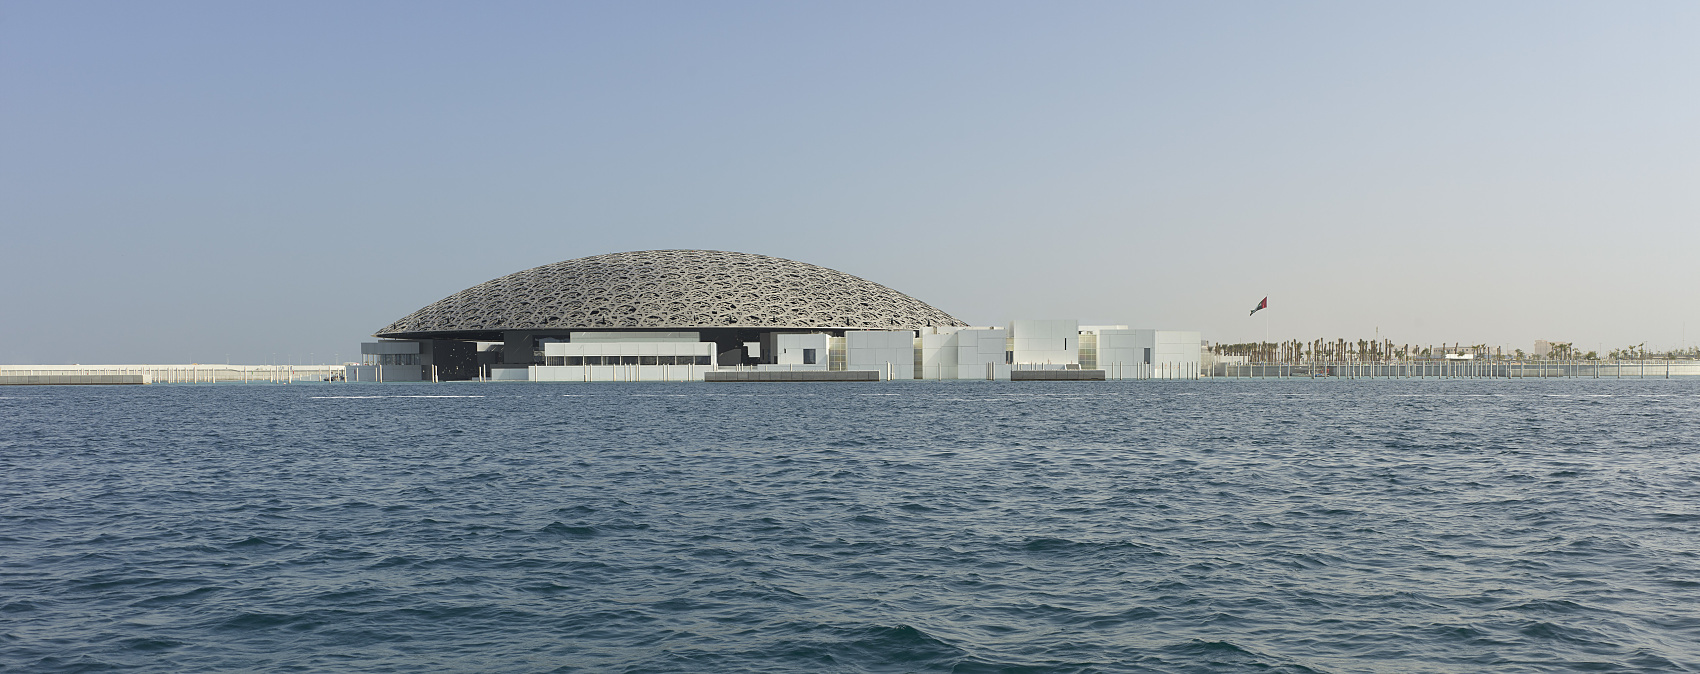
[[1332, 526]]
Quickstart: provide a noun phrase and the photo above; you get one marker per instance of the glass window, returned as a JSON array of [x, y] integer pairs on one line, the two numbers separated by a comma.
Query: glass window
[[555, 360], [1147, 355], [575, 360], [702, 360], [592, 360], [664, 360], [646, 360], [628, 360], [808, 356]]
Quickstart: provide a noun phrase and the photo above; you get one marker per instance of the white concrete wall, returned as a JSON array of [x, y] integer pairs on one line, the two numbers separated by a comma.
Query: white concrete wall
[[510, 374], [938, 353], [1119, 350], [1174, 353], [788, 349], [1180, 351], [887, 351], [981, 350], [1054, 342]]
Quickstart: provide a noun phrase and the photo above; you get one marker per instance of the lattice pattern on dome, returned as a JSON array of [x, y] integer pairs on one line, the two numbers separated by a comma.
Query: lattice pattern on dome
[[673, 289]]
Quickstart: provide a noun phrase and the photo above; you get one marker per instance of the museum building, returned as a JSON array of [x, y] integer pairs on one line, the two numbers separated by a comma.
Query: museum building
[[678, 315]]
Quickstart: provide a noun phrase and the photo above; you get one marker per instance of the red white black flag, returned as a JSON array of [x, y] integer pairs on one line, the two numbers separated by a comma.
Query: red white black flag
[[1260, 306]]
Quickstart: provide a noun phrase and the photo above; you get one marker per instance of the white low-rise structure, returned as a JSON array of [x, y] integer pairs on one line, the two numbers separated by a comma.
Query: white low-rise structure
[[1174, 354], [969, 353], [796, 351], [1141, 354], [889, 352], [982, 353], [681, 358], [1037, 345], [963, 353]]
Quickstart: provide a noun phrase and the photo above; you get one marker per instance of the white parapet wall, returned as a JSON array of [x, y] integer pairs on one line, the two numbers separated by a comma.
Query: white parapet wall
[[981, 353], [1121, 353]]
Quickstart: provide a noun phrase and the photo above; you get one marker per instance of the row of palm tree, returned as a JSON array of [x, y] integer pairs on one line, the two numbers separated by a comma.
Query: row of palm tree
[[1364, 351], [1371, 351]]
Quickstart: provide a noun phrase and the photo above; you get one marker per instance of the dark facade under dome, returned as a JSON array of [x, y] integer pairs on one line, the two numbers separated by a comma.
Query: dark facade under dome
[[704, 290]]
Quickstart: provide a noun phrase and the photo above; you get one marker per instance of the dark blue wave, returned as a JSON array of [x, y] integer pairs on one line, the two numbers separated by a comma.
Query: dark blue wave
[[1330, 526]]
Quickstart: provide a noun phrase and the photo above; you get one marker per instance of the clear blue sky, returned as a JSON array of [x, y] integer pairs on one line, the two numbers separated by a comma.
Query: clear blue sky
[[187, 182]]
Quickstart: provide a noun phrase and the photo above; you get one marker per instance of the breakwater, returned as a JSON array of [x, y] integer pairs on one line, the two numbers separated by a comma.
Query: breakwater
[[70, 378], [188, 373]]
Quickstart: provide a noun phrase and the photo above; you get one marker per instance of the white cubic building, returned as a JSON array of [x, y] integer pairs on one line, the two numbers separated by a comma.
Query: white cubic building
[[796, 351], [889, 352], [963, 353], [1174, 354], [982, 353], [936, 356], [1038, 345], [1141, 354]]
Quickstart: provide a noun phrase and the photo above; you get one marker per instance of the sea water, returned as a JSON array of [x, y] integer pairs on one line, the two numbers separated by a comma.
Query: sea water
[[1286, 526]]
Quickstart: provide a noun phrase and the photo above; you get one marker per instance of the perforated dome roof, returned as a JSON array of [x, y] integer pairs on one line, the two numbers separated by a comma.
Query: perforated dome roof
[[681, 289]]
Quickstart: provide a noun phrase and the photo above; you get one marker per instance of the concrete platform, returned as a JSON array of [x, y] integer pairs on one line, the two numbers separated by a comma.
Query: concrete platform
[[70, 378], [784, 375], [1056, 375]]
